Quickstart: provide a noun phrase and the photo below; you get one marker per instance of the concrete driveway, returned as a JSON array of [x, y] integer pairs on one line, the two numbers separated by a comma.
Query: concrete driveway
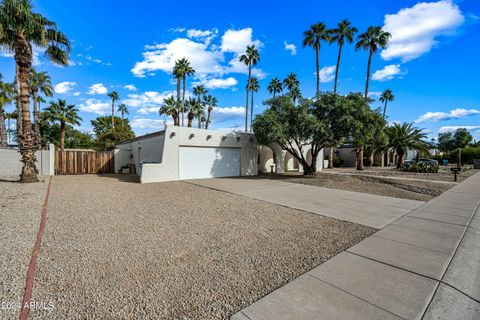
[[367, 209]]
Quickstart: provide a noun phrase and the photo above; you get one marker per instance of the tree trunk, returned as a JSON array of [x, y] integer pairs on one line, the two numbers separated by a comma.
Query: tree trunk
[[360, 159], [400, 159], [199, 101], [3, 136], [330, 158], [251, 114], [368, 72], [113, 113], [19, 130], [178, 99], [340, 46], [207, 123], [384, 109], [248, 90], [62, 136], [122, 117], [36, 118], [9, 130], [190, 117], [183, 101], [317, 65], [23, 59]]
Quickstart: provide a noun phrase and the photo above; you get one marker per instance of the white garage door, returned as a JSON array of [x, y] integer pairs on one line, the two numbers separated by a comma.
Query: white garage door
[[199, 162]]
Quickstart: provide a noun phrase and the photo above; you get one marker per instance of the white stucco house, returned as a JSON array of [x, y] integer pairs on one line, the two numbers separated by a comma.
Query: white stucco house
[[179, 153]]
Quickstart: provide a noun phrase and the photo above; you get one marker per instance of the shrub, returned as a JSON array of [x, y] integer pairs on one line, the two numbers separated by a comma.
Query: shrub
[[468, 155], [337, 161], [420, 167]]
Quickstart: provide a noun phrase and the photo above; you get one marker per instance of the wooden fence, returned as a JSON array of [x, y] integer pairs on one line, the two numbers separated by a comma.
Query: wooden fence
[[84, 162]]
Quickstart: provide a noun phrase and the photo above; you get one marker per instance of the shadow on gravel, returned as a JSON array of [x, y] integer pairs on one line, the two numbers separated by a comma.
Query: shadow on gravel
[[130, 178]]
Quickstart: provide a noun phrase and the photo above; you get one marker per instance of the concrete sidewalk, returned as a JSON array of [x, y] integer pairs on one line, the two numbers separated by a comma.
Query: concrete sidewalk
[[426, 265], [367, 209]]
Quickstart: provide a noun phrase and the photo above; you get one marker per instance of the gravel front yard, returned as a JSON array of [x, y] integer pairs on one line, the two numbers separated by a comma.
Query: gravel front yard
[[120, 250], [405, 189], [20, 213]]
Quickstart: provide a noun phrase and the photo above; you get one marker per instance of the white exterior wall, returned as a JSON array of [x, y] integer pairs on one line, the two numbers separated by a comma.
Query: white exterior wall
[[11, 165], [165, 150], [281, 166]]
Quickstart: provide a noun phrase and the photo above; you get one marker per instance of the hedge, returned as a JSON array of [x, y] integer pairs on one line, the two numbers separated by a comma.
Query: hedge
[[468, 155], [420, 167]]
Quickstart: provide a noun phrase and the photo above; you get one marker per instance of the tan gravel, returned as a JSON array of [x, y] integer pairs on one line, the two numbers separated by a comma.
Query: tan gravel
[[20, 213], [120, 250]]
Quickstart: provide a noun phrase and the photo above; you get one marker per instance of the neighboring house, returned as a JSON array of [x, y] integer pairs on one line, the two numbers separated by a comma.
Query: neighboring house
[[179, 153]]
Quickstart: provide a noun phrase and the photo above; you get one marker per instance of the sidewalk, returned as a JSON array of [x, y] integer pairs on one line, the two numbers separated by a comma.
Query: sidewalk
[[425, 265]]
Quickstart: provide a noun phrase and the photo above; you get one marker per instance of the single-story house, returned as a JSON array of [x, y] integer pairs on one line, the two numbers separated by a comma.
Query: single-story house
[[180, 153]]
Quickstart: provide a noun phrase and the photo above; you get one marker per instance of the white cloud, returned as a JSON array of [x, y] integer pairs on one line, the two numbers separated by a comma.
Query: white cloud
[[327, 74], [236, 41], [290, 47], [64, 87], [374, 94], [388, 73], [455, 128], [97, 88], [442, 116], [147, 124], [150, 101], [206, 36], [96, 106], [415, 30], [222, 114], [130, 87], [95, 60], [217, 83], [76, 94]]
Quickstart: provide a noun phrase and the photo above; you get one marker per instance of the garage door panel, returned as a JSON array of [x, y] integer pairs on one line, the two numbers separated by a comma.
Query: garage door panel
[[201, 162]]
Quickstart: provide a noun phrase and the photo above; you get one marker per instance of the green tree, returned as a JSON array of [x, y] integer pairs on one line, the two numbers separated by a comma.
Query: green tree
[[183, 69], [170, 108], [194, 109], [372, 40], [250, 58], [107, 137], [275, 86], [122, 108], [446, 141], [20, 29], [461, 138], [292, 84], [114, 96], [385, 97], [312, 38], [6, 97], [63, 113], [254, 87], [200, 91], [39, 82], [343, 32], [210, 102], [405, 136]]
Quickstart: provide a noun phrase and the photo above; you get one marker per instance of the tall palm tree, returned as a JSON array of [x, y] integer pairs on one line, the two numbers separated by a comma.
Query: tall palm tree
[[250, 58], [343, 32], [6, 97], [184, 70], [177, 74], [254, 87], [20, 29], [170, 108], [292, 84], [194, 109], [210, 102], [122, 108], [403, 137], [200, 91], [63, 113], [39, 82], [371, 40], [9, 116], [313, 37], [114, 96], [275, 86], [385, 97]]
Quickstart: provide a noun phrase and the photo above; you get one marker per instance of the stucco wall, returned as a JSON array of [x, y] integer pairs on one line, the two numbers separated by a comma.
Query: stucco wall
[[11, 165]]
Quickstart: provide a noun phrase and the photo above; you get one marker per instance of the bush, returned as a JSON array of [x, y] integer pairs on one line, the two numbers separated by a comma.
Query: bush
[[420, 167], [468, 155], [337, 161]]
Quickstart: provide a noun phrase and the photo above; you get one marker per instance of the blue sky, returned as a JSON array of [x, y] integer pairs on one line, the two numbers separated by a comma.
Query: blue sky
[[431, 66]]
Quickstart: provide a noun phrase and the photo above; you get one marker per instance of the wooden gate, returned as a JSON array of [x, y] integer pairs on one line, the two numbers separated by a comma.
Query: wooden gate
[[84, 162]]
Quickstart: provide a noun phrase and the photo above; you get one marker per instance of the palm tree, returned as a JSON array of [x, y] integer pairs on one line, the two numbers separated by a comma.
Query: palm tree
[[200, 91], [210, 102], [183, 69], [122, 108], [386, 96], [115, 97], [403, 137], [39, 82], [371, 40], [292, 84], [177, 73], [254, 87], [20, 29], [312, 38], [193, 108], [63, 113], [6, 97], [9, 116], [250, 58], [170, 108], [343, 32], [275, 86]]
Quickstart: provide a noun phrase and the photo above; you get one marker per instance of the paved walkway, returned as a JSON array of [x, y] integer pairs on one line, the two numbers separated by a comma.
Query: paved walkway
[[367, 209], [426, 265]]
